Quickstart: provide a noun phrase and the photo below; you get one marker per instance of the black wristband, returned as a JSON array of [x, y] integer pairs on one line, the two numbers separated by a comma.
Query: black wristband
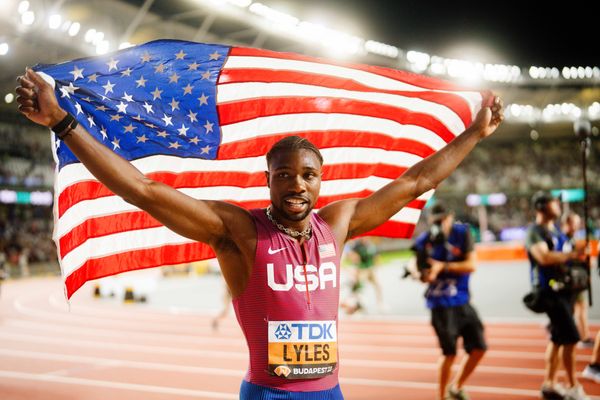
[[63, 124], [68, 130]]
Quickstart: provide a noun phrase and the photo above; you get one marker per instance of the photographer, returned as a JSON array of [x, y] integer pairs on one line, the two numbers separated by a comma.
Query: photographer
[[570, 224], [547, 257], [445, 259]]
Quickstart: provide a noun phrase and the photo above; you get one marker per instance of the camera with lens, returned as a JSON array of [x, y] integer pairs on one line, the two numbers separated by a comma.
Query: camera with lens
[[435, 237]]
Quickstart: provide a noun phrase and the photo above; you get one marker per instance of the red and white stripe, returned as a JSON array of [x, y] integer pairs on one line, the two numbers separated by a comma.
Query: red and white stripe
[[370, 123]]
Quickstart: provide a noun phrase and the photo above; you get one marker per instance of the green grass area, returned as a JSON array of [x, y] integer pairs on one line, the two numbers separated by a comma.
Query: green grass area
[[391, 256], [386, 258]]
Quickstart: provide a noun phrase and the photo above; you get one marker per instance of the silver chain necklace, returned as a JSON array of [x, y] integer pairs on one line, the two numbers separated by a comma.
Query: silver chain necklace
[[293, 233]]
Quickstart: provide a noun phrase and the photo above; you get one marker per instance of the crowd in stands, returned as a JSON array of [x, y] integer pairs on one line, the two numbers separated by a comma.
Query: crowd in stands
[[518, 169], [515, 168], [521, 168], [26, 163], [26, 235], [25, 157]]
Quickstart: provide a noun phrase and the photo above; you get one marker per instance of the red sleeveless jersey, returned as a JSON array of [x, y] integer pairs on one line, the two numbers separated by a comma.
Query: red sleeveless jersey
[[288, 311]]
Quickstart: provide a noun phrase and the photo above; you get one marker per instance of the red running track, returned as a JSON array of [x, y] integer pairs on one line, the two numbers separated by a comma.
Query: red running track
[[104, 350]]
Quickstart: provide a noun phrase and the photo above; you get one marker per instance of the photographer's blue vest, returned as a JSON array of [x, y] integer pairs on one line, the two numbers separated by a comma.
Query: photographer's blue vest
[[555, 239], [448, 290]]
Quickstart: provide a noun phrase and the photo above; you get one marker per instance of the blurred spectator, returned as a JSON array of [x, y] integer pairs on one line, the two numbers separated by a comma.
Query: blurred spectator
[[26, 232], [517, 169], [25, 157]]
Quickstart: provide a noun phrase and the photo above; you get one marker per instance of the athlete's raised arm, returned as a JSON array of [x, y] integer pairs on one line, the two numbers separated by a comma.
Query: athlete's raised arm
[[204, 221], [354, 217]]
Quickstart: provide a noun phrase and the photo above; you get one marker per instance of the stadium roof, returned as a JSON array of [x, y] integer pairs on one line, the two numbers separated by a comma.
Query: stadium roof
[[534, 57]]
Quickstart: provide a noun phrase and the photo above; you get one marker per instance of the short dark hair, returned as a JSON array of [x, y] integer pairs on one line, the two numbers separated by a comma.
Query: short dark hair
[[541, 198], [438, 212], [293, 143]]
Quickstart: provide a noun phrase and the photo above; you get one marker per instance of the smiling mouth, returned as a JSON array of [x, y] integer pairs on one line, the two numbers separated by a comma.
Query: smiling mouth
[[295, 203]]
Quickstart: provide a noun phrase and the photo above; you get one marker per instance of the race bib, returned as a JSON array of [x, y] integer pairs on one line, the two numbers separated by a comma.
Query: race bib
[[302, 349]]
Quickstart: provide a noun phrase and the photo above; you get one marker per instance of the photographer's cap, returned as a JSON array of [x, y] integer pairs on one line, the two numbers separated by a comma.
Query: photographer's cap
[[438, 212]]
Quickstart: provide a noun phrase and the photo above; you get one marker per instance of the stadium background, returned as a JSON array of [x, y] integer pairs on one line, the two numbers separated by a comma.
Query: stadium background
[[534, 149]]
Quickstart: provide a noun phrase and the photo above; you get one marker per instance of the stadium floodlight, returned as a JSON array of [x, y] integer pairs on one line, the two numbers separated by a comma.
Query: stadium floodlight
[[74, 28], [558, 112], [54, 21], [522, 112], [65, 26], [566, 73], [102, 47], [594, 110], [462, 69], [436, 66], [273, 15], [419, 61], [9, 98], [23, 7], [98, 38], [534, 72], [240, 3], [3, 48], [574, 72], [514, 110], [543, 73], [503, 73], [28, 18], [90, 35], [334, 40], [495, 72], [515, 73], [382, 49]]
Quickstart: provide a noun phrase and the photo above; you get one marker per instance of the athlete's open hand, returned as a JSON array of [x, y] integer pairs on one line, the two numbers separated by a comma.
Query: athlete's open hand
[[37, 100]]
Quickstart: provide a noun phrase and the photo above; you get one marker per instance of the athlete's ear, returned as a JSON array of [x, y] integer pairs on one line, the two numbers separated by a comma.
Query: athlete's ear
[[267, 177]]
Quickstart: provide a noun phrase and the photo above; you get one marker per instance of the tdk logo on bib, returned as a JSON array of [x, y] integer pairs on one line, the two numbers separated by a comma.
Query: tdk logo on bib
[[283, 332], [302, 349], [302, 330]]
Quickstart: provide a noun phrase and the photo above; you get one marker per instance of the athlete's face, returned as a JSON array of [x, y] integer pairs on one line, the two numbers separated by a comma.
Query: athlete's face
[[294, 180]]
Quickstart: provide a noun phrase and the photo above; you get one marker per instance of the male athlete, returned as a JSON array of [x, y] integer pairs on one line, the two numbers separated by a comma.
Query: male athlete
[[281, 263]]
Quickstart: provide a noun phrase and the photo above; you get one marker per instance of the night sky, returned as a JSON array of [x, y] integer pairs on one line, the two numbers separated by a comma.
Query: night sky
[[523, 33]]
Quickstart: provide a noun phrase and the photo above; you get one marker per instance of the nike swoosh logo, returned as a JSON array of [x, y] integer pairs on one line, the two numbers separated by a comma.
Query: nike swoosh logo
[[271, 252]]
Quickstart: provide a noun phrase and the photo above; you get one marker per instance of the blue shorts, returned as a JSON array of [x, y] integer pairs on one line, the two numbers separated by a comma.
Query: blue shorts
[[250, 391]]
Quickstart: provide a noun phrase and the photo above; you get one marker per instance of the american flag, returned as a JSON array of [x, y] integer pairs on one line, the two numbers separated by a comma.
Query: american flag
[[201, 117]]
